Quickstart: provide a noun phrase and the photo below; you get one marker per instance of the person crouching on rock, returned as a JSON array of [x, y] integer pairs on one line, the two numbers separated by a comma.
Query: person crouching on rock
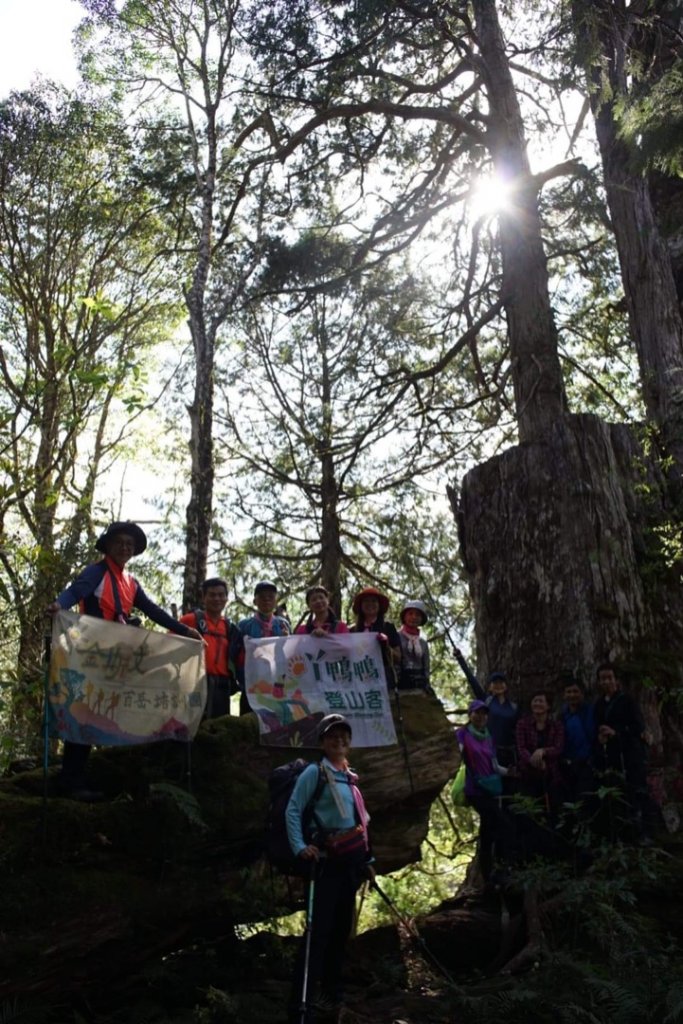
[[338, 855]]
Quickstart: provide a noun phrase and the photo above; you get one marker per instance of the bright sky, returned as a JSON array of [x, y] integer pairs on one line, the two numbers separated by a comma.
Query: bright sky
[[35, 38]]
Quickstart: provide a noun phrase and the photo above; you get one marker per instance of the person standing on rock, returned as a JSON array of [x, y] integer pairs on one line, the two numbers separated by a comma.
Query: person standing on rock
[[370, 606], [415, 668], [484, 787], [330, 839], [106, 590], [321, 621], [503, 713], [263, 623], [622, 748], [221, 637]]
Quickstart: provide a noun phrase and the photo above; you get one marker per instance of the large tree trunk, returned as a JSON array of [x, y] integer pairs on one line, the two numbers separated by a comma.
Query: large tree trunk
[[566, 562], [330, 539], [200, 507]]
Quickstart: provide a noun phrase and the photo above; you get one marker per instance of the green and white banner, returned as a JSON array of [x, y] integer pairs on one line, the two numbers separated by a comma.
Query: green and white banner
[[292, 682]]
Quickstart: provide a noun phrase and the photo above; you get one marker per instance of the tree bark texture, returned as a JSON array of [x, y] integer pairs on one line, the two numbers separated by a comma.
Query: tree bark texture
[[200, 507], [561, 541]]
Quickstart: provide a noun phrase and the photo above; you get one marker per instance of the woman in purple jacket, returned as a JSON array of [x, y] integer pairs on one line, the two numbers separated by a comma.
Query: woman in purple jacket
[[483, 787]]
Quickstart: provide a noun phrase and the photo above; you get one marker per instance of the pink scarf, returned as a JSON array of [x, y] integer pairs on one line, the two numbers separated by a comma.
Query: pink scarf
[[363, 816], [266, 624]]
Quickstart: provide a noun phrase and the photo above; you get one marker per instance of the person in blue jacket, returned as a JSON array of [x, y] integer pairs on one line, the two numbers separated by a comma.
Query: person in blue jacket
[[338, 853], [503, 713], [106, 590], [263, 623], [579, 742]]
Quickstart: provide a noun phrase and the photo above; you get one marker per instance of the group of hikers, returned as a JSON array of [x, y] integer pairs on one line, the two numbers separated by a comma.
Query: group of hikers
[[555, 760], [107, 591]]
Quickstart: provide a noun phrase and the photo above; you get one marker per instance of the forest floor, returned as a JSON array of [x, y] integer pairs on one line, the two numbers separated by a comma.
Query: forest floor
[[228, 980]]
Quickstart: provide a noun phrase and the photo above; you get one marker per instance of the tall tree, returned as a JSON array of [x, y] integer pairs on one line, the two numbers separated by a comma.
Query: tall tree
[[619, 50], [83, 297], [186, 62], [321, 428]]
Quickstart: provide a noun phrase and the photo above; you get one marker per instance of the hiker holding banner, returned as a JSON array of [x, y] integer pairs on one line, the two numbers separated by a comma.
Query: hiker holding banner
[[331, 838], [105, 590], [264, 623], [370, 606]]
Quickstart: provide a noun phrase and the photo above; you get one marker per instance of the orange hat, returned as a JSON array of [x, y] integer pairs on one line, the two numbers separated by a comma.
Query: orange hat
[[371, 592]]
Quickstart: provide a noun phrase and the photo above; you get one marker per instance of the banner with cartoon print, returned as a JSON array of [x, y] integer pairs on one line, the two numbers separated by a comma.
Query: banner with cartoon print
[[115, 685], [293, 682]]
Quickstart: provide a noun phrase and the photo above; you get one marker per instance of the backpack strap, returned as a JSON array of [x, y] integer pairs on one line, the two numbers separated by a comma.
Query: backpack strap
[[309, 810]]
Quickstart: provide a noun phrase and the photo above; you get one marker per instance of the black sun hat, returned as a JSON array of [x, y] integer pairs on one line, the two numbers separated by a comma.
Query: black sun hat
[[132, 529]]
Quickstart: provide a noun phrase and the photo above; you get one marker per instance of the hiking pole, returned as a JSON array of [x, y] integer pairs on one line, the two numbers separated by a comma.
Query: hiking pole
[[413, 932], [46, 730], [188, 767], [309, 934]]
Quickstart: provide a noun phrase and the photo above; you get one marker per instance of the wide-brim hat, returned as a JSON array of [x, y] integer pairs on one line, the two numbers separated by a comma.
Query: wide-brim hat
[[418, 606], [132, 529], [333, 722], [371, 592]]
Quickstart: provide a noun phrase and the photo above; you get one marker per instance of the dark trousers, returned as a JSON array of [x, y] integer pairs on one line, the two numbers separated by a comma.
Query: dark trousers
[[74, 761], [496, 832], [218, 690], [336, 884]]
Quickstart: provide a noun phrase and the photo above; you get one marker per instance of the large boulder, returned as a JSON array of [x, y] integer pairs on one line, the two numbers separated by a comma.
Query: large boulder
[[175, 851]]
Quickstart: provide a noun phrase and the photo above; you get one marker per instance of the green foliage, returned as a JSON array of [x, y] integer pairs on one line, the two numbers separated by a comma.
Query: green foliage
[[420, 887], [220, 1008], [184, 802], [84, 297]]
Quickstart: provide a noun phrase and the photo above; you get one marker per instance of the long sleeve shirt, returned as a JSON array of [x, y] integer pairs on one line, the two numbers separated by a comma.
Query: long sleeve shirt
[[93, 591], [579, 732], [327, 814], [529, 739], [625, 750], [502, 714], [480, 759]]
